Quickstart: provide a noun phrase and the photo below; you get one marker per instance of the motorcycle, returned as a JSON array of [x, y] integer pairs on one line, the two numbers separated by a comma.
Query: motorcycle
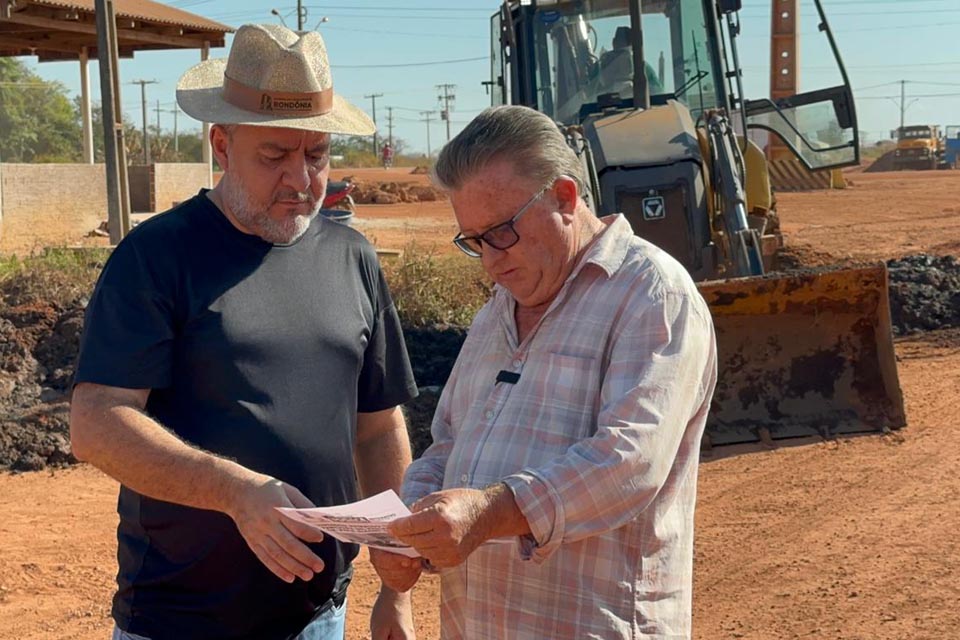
[[338, 204]]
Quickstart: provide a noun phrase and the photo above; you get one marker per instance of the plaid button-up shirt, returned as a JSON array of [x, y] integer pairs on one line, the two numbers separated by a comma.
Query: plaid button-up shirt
[[599, 441]]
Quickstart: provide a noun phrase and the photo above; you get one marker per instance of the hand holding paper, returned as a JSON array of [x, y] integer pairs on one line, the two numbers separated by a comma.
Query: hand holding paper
[[362, 522]]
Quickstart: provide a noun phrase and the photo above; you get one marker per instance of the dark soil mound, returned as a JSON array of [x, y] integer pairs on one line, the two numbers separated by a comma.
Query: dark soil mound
[[883, 163], [924, 293], [433, 351], [38, 346], [37, 439]]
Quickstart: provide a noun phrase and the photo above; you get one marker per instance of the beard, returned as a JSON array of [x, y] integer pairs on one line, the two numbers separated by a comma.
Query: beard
[[254, 214]]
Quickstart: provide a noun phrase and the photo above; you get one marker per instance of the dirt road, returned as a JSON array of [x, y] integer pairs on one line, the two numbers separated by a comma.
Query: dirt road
[[849, 539]]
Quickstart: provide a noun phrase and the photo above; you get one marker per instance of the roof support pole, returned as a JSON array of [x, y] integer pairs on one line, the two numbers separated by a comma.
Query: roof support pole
[[86, 117], [118, 195], [205, 142]]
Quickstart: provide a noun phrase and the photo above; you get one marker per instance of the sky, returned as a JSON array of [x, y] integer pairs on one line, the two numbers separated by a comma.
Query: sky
[[404, 49]]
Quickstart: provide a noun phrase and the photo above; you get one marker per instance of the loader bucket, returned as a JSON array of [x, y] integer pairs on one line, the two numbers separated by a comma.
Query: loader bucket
[[806, 353]]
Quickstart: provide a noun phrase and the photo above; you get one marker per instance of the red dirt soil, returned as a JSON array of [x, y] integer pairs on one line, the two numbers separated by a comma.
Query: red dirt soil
[[852, 539]]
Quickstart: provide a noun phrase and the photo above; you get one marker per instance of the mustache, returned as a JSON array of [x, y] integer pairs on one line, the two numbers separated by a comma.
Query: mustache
[[290, 194]]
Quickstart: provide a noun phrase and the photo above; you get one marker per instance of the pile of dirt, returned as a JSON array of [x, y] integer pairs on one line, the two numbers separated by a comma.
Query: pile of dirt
[[883, 163], [924, 293], [394, 192], [39, 343], [433, 350], [38, 346]]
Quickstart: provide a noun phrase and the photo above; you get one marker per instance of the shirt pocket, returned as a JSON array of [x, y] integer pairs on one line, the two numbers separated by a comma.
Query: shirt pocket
[[566, 396]]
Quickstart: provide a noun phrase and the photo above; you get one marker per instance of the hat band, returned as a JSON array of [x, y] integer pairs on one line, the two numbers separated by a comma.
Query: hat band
[[277, 103]]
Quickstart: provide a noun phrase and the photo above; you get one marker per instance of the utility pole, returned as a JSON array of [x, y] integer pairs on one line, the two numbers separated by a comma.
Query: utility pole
[[157, 109], [447, 99], [176, 141], [390, 125], [376, 144], [143, 100], [426, 118], [176, 136], [301, 15], [903, 101]]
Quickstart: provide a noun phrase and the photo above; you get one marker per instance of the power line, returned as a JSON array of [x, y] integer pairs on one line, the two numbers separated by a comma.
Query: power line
[[875, 86], [408, 64], [420, 34], [922, 95], [404, 8]]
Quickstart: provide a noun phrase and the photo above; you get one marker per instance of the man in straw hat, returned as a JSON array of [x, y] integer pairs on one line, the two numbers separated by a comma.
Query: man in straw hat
[[240, 354]]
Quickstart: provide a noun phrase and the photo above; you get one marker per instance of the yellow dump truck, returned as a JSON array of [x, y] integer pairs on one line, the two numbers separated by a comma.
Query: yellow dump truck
[[919, 147]]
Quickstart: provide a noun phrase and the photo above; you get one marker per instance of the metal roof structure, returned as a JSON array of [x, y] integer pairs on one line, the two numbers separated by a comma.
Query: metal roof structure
[[62, 29]]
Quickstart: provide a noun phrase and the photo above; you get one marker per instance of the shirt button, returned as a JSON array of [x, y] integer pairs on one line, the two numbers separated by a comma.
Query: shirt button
[[463, 478], [489, 415], [517, 363]]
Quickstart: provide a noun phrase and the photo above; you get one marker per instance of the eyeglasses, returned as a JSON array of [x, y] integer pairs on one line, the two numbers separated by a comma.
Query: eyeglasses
[[503, 236]]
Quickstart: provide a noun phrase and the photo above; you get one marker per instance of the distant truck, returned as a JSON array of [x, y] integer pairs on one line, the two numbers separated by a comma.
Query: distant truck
[[919, 147], [951, 147]]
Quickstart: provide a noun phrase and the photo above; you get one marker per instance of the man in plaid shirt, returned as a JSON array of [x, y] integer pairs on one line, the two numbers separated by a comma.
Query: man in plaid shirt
[[557, 498]]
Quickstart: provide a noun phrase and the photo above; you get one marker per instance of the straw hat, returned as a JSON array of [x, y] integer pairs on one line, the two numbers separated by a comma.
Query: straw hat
[[274, 77]]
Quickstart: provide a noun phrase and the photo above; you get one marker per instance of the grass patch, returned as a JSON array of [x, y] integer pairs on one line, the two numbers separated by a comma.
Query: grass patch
[[427, 288], [431, 289], [57, 275]]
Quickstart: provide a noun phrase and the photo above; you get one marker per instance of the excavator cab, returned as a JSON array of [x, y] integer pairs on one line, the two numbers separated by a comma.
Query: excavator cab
[[570, 59], [650, 95]]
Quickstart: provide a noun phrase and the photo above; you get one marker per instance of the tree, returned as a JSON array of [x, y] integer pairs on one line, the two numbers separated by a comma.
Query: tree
[[161, 142], [38, 123], [356, 150]]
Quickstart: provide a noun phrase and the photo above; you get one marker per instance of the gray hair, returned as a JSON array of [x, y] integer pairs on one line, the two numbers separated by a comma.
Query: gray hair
[[529, 139]]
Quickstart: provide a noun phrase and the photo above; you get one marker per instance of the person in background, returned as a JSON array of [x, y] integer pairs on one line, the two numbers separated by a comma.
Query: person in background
[[386, 155]]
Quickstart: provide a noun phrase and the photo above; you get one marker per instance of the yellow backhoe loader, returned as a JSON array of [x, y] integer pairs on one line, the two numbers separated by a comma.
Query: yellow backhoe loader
[[664, 141]]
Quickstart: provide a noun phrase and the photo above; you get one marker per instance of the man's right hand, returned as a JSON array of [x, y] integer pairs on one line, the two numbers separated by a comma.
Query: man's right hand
[[277, 542]]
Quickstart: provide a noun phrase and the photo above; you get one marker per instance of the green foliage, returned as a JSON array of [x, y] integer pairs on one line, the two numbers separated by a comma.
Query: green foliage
[[432, 289], [38, 123], [427, 288], [357, 151]]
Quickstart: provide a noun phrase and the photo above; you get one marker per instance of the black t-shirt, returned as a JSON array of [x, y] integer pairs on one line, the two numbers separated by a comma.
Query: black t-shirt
[[262, 354]]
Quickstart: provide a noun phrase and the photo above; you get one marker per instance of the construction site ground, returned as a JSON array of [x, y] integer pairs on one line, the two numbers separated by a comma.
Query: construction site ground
[[853, 538]]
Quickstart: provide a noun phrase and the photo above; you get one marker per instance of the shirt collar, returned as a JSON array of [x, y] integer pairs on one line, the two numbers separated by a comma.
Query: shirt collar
[[610, 248]]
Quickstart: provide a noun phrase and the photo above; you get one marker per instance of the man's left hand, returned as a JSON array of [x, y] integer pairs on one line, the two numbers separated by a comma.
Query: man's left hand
[[398, 572], [392, 617], [446, 526]]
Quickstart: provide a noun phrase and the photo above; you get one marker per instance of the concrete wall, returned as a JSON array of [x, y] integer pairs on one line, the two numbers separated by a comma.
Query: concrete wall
[[49, 204], [58, 204], [177, 181]]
